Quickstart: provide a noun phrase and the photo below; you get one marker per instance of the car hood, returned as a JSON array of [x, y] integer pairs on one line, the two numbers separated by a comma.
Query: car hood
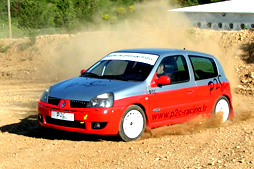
[[85, 89]]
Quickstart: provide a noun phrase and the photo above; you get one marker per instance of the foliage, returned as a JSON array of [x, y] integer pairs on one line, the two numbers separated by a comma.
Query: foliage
[[33, 14], [3, 9], [26, 45], [4, 30], [73, 14], [32, 39], [3, 48], [193, 2], [65, 14], [131, 9], [85, 9], [106, 16]]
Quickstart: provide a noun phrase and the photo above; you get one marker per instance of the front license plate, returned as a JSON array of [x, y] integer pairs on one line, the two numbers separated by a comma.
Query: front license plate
[[62, 116]]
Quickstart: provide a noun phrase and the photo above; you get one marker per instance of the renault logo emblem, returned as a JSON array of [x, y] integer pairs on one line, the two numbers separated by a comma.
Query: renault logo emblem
[[63, 104]]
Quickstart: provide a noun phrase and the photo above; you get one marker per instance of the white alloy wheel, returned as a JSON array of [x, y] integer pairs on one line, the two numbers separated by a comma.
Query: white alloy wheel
[[132, 124], [222, 105]]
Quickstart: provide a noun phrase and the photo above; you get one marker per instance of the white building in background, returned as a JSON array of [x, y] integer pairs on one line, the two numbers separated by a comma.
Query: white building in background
[[226, 15]]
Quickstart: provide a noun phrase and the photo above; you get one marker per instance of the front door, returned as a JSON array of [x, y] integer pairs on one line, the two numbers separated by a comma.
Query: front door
[[173, 103]]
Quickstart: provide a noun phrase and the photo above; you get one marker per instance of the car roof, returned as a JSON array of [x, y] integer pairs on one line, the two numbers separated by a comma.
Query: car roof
[[161, 51]]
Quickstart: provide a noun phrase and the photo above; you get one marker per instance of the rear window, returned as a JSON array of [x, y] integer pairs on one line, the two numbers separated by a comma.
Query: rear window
[[204, 68]]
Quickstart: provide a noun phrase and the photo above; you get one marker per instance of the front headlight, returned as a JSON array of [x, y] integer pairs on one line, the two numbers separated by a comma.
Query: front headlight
[[102, 101], [45, 95]]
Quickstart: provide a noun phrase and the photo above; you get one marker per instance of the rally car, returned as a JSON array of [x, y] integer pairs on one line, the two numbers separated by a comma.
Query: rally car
[[129, 90]]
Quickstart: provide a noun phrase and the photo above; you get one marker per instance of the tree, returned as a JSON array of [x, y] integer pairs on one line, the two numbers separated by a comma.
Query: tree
[[3, 9], [85, 10], [33, 14], [65, 14]]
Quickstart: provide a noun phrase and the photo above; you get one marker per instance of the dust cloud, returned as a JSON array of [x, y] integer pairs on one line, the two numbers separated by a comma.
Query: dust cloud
[[193, 126], [243, 108], [151, 27], [196, 125]]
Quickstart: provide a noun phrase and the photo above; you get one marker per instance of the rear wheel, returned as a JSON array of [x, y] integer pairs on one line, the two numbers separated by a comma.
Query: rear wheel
[[222, 106], [132, 124]]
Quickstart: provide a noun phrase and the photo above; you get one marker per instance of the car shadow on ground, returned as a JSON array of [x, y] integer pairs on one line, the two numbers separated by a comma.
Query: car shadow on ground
[[29, 127]]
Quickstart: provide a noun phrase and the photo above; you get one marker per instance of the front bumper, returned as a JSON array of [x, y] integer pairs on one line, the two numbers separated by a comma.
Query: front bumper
[[101, 121]]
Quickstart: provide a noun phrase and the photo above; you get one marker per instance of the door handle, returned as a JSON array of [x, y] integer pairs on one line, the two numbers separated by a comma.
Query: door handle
[[157, 110], [190, 91]]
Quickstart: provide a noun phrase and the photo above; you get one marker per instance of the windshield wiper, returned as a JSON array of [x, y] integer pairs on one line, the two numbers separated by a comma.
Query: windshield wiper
[[109, 77], [113, 77], [88, 74]]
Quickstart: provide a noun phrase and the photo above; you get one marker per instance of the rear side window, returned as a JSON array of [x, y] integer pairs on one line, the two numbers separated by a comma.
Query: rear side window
[[204, 68]]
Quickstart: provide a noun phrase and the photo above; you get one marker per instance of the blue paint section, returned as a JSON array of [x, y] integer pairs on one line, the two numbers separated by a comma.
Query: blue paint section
[[85, 89]]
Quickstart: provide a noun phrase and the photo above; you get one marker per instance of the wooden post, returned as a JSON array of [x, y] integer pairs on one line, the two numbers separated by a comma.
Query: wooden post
[[9, 19]]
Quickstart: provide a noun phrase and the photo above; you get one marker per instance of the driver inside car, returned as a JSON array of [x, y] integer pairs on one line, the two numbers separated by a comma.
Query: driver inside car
[[163, 70]]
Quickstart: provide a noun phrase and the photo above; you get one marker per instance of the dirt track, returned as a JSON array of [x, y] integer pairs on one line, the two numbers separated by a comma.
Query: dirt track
[[202, 143], [24, 145]]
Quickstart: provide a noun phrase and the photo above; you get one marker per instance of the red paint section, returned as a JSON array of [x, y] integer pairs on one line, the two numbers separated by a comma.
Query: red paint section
[[112, 116], [86, 115], [153, 82], [161, 108]]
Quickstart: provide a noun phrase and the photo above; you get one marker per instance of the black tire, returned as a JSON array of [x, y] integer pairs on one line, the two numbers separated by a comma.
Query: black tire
[[223, 105], [132, 124]]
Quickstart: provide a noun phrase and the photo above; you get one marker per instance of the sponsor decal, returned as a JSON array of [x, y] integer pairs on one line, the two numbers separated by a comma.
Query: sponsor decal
[[151, 91], [92, 84], [216, 84], [138, 57], [85, 117], [179, 113]]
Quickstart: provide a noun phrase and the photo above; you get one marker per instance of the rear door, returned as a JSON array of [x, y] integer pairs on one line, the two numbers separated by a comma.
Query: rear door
[[207, 81]]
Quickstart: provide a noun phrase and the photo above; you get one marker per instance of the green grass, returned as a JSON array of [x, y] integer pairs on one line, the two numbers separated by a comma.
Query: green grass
[[3, 48]]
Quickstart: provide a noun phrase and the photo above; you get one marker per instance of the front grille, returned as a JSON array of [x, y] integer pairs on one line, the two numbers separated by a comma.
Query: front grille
[[53, 100], [75, 124], [78, 104], [73, 103]]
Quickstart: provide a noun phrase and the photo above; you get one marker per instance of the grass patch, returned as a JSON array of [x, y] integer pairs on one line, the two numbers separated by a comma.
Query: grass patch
[[3, 48], [32, 41]]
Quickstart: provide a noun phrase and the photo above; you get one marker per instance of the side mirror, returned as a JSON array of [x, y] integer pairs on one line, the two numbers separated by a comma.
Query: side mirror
[[82, 71], [163, 80]]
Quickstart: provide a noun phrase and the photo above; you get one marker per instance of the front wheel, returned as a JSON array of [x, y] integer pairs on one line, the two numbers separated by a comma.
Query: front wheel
[[222, 106], [132, 124]]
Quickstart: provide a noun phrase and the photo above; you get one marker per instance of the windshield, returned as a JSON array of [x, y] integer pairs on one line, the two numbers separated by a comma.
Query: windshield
[[119, 70]]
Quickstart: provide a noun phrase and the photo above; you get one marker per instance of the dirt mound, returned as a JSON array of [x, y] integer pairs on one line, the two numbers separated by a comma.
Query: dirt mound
[[242, 41]]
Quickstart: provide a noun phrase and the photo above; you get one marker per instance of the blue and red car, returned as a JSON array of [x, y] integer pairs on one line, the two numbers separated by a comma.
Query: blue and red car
[[129, 90]]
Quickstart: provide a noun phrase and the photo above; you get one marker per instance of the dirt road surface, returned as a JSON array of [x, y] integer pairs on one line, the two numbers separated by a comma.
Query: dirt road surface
[[202, 143]]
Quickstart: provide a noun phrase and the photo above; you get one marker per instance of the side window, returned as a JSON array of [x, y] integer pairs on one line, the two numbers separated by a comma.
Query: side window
[[204, 68], [174, 67]]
